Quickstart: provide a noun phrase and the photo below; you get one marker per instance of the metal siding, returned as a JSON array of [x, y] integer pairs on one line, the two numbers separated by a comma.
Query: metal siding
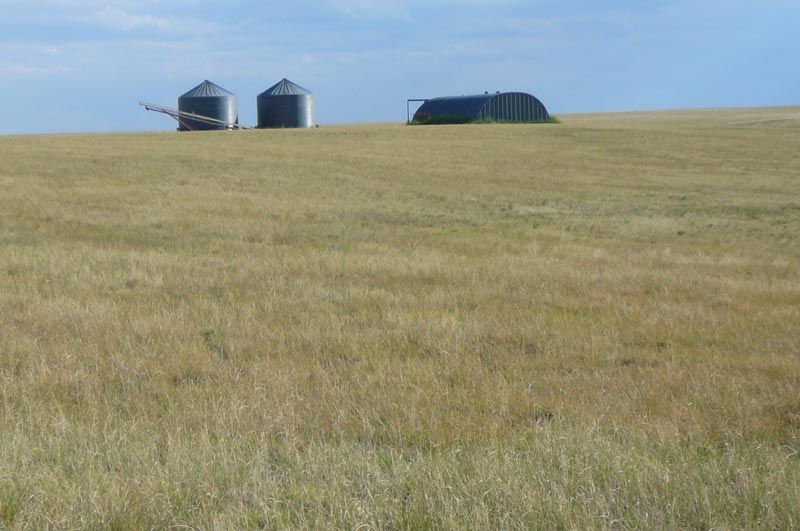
[[223, 108], [285, 87], [290, 111], [468, 108], [207, 89], [285, 104], [510, 106], [517, 105]]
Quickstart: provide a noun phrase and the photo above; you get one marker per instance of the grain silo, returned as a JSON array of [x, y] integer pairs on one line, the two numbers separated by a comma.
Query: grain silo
[[505, 107], [285, 104], [211, 101]]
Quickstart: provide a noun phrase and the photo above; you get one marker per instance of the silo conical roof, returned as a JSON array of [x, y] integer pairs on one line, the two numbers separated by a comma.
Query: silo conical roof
[[284, 87], [207, 89]]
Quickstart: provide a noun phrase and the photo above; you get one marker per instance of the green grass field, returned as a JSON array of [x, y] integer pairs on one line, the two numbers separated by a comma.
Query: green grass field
[[593, 324]]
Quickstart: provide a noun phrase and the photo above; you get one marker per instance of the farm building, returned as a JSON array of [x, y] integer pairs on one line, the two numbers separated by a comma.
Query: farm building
[[510, 107], [285, 104], [211, 101]]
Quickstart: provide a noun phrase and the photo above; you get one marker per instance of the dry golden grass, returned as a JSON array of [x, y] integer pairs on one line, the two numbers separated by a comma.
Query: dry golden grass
[[595, 324]]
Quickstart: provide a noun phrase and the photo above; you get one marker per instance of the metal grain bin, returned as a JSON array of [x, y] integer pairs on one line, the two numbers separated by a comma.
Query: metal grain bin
[[285, 104], [211, 101]]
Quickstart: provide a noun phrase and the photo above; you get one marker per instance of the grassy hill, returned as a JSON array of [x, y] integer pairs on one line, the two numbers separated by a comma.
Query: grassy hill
[[594, 324]]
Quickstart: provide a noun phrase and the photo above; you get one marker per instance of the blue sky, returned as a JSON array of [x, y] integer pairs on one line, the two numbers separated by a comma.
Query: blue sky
[[83, 65]]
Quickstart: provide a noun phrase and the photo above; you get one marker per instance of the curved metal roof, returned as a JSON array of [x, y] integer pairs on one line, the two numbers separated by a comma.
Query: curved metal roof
[[207, 89], [284, 87], [456, 105], [513, 107]]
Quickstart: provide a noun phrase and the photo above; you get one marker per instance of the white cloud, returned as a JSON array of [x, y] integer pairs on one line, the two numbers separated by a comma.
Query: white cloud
[[127, 16], [374, 9], [34, 59], [116, 18], [403, 10]]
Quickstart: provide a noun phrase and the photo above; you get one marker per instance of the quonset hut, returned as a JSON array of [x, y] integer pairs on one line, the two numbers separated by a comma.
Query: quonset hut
[[211, 101], [285, 104], [508, 107]]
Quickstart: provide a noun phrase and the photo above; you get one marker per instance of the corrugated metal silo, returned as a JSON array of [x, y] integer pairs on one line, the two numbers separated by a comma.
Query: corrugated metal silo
[[209, 100], [285, 104]]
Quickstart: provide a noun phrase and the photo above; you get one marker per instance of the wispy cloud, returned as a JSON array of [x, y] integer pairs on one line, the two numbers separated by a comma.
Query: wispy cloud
[[577, 55], [129, 21], [116, 18], [125, 16], [374, 9], [406, 10], [34, 59]]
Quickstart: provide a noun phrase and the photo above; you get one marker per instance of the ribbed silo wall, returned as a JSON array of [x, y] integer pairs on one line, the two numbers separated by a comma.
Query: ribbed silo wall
[[287, 110], [223, 108]]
